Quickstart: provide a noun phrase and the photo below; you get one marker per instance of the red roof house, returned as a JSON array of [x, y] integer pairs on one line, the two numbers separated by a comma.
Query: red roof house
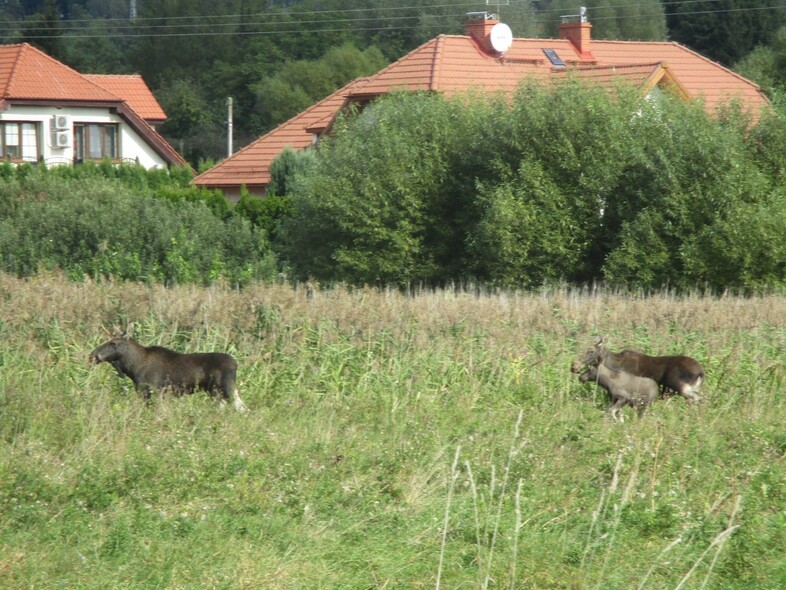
[[458, 63], [52, 113]]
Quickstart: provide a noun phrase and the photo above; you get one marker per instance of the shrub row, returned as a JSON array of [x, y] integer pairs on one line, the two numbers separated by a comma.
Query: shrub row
[[562, 184], [128, 223]]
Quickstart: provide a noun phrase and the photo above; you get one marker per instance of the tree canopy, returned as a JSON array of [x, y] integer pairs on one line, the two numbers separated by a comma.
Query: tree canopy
[[567, 184]]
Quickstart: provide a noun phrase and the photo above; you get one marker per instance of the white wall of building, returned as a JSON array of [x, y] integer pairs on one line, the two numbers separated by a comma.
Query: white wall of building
[[131, 146]]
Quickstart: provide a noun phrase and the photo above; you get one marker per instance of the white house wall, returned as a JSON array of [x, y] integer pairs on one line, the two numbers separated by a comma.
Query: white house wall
[[131, 145]]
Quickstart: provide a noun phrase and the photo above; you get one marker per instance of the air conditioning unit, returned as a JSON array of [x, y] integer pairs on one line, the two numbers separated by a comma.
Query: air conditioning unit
[[61, 122], [62, 139]]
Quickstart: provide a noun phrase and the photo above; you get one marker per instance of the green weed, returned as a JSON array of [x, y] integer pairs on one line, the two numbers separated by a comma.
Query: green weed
[[435, 440]]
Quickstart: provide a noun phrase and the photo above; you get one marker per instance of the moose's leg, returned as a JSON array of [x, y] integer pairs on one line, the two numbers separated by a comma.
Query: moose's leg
[[641, 407], [229, 390], [615, 409], [116, 366], [237, 403], [145, 391], [691, 392]]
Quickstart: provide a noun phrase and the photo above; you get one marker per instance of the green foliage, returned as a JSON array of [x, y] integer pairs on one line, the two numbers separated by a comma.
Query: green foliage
[[743, 247], [642, 21], [97, 227], [285, 169], [567, 183], [265, 213], [186, 107], [299, 84], [693, 175], [214, 199], [725, 32], [392, 440], [43, 29], [526, 236], [361, 215]]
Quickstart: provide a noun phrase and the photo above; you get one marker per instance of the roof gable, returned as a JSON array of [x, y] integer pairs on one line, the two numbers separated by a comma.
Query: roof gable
[[133, 90], [28, 73], [643, 76]]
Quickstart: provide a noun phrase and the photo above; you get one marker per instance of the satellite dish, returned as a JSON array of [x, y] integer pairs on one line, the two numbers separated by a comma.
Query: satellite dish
[[501, 37]]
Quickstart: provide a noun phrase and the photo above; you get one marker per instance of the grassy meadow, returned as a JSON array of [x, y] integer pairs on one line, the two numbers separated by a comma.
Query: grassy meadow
[[436, 440]]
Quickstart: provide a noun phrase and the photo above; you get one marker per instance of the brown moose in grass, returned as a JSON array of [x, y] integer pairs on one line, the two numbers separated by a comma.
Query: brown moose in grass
[[155, 368], [634, 378]]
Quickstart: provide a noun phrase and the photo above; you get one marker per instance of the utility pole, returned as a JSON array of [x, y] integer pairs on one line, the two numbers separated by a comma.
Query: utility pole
[[229, 126], [132, 9]]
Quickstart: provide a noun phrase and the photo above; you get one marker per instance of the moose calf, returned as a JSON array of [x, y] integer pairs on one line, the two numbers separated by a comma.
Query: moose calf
[[625, 389]]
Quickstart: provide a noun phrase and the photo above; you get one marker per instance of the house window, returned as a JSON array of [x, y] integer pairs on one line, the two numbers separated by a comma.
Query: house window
[[19, 141], [95, 141]]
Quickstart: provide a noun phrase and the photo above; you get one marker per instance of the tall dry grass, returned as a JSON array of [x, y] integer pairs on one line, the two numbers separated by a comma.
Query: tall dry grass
[[426, 439]]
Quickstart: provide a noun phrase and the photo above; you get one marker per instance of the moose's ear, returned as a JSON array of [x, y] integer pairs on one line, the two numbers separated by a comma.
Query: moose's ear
[[130, 330]]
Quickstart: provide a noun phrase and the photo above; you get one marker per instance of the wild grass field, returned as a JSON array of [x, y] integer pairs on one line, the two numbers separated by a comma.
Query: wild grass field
[[430, 440]]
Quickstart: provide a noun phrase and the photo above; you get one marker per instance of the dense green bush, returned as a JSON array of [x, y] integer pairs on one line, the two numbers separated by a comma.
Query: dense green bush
[[89, 225], [369, 209], [566, 183]]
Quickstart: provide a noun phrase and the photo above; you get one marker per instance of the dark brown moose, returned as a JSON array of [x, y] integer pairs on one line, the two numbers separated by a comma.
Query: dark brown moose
[[625, 389], [680, 374], [155, 368]]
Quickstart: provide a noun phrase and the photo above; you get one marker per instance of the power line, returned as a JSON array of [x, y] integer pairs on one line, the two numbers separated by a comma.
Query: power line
[[276, 17], [270, 14], [294, 26]]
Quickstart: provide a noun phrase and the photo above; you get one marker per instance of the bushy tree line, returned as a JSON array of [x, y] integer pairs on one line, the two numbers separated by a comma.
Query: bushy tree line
[[565, 184], [128, 223]]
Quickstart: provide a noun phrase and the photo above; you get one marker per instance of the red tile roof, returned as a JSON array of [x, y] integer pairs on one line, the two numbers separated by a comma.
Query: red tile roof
[[452, 63], [29, 76], [28, 73], [250, 165], [132, 89], [458, 63]]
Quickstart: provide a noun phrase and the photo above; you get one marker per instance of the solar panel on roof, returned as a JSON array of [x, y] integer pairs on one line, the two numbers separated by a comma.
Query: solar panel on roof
[[555, 59]]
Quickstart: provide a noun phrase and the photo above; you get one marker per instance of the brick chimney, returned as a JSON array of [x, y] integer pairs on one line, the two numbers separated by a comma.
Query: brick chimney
[[478, 26], [576, 29]]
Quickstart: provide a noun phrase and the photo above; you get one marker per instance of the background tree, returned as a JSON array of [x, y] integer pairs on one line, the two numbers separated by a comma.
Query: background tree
[[189, 117], [567, 183], [766, 64], [299, 84], [642, 21], [361, 214], [95, 45], [725, 30], [43, 30]]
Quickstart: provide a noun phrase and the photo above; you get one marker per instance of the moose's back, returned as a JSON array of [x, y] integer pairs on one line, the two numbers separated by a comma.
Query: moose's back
[[187, 372]]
